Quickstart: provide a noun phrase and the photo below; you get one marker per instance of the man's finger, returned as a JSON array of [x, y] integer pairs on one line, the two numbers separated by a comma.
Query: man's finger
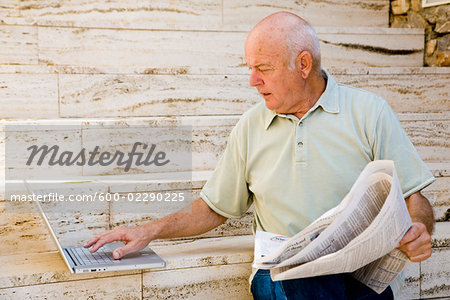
[[95, 239], [418, 249], [409, 236], [421, 257], [111, 237], [122, 251], [413, 233], [91, 242], [415, 251], [423, 240]]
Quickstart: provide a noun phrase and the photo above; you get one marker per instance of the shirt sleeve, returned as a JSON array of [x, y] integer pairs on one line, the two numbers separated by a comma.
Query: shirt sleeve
[[391, 142], [226, 192]]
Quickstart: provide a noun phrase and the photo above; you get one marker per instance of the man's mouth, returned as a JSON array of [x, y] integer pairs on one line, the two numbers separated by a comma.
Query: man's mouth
[[265, 94]]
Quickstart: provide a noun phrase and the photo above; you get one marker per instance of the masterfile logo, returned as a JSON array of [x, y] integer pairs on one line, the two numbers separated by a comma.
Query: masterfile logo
[[53, 156], [49, 152], [99, 166]]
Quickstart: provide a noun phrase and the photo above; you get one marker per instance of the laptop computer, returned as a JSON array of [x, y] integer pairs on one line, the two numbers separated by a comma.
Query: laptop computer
[[79, 260]]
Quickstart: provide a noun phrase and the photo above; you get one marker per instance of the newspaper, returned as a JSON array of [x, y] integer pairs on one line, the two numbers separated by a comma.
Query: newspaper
[[359, 235]]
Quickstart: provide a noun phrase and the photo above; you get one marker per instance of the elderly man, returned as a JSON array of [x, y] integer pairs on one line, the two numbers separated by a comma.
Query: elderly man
[[296, 156]]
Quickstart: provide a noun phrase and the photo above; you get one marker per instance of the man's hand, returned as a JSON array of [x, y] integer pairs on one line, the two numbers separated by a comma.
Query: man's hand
[[135, 238], [195, 219], [416, 243]]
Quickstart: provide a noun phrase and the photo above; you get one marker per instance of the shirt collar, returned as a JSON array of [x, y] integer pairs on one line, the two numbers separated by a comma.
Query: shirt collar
[[329, 100]]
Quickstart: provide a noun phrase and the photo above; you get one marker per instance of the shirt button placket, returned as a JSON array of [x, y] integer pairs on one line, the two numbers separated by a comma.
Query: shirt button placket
[[299, 149]]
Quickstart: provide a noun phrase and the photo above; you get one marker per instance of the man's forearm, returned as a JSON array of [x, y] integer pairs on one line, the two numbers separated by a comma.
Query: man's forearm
[[420, 210], [193, 220]]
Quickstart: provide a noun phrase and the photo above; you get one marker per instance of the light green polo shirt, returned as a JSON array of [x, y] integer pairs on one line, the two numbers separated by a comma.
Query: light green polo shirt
[[294, 170]]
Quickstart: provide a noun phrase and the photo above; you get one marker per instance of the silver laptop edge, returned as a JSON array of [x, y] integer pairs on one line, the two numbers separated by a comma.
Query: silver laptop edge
[[52, 233], [72, 265]]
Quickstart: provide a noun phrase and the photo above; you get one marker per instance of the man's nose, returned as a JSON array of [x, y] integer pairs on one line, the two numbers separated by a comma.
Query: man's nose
[[255, 79]]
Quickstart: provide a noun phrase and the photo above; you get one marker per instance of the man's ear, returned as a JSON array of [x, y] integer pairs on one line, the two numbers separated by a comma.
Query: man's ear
[[304, 64]]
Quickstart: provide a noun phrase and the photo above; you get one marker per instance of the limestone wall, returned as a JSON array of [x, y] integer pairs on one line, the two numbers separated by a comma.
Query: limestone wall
[[436, 22]]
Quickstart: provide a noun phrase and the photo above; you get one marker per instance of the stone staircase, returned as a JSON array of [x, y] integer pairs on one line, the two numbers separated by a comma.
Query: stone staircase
[[90, 64]]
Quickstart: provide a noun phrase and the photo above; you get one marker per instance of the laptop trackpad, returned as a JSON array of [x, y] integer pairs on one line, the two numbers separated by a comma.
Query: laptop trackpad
[[114, 245], [140, 254]]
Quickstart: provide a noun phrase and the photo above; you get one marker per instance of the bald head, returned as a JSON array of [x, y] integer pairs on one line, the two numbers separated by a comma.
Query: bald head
[[291, 31]]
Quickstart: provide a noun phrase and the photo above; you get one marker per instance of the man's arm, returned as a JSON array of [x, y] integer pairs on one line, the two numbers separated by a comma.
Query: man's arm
[[416, 243], [195, 219]]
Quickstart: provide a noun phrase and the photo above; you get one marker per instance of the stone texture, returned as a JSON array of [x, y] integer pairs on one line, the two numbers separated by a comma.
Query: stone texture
[[122, 287], [189, 14], [433, 19], [436, 13], [428, 136], [79, 221], [411, 289], [400, 7], [127, 213], [443, 44], [192, 253], [442, 27], [416, 5], [233, 227], [441, 235], [23, 233], [151, 182], [73, 222], [400, 21], [340, 47], [435, 274], [185, 14], [431, 46], [141, 207], [23, 270], [155, 95], [28, 95], [143, 48], [415, 20], [19, 137], [245, 14], [215, 282], [18, 44], [438, 194], [443, 59], [439, 169], [405, 92]]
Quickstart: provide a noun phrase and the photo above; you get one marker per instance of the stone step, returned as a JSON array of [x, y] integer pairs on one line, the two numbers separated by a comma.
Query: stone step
[[192, 15], [181, 50], [206, 268], [209, 268], [53, 92]]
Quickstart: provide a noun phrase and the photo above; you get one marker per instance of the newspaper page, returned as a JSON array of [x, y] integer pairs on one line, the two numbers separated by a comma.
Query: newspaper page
[[361, 231]]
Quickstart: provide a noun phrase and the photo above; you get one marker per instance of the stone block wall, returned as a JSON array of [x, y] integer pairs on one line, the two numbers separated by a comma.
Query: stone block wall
[[436, 22]]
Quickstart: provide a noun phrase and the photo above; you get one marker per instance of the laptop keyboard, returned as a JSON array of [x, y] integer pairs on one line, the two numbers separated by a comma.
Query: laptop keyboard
[[84, 257]]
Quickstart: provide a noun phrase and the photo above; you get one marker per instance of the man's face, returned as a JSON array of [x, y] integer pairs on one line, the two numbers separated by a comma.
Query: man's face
[[280, 87]]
